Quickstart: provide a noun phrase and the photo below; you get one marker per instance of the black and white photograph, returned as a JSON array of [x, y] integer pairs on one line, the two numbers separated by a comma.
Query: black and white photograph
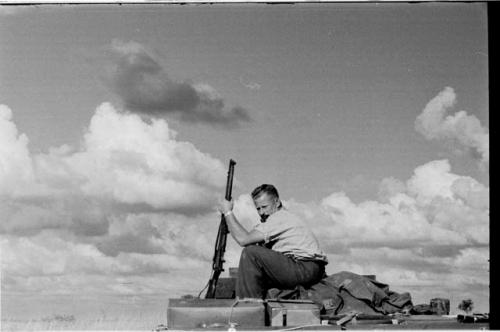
[[244, 166]]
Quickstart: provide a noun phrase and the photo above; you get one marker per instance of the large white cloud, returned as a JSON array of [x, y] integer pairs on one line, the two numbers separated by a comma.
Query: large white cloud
[[131, 200], [122, 159], [433, 206], [130, 211], [15, 162], [460, 127], [428, 235], [134, 162]]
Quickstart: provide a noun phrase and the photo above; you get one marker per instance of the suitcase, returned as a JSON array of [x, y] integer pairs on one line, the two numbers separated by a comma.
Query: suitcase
[[292, 313], [213, 313]]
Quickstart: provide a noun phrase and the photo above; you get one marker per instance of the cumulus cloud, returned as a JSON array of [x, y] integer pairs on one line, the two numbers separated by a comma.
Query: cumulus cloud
[[16, 167], [428, 235], [435, 206], [132, 162], [461, 128], [145, 87], [129, 201], [133, 204], [123, 163]]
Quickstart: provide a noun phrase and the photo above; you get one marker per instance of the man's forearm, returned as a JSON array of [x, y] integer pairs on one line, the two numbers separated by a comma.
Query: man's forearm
[[238, 232]]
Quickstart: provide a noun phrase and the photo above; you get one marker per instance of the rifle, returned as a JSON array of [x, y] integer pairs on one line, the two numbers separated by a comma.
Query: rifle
[[220, 242]]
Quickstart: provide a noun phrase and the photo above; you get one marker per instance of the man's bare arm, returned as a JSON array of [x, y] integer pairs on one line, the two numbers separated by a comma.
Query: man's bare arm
[[239, 233]]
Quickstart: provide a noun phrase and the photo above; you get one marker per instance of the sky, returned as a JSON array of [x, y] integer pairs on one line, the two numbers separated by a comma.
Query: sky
[[117, 123]]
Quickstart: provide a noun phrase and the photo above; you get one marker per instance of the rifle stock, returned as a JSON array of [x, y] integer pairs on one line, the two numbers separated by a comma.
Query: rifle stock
[[220, 242]]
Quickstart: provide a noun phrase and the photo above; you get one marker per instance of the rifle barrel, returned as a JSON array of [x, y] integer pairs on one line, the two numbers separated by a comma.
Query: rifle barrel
[[229, 183], [220, 242]]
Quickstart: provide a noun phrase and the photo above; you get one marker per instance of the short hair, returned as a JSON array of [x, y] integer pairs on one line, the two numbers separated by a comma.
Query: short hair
[[265, 189]]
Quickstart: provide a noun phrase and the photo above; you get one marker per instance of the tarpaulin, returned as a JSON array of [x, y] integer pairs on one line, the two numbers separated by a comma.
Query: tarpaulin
[[346, 291]]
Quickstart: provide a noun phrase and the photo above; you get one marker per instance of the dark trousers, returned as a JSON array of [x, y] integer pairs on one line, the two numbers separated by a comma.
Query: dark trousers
[[261, 269]]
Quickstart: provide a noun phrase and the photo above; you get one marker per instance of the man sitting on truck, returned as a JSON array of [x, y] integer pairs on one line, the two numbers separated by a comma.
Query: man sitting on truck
[[280, 252]]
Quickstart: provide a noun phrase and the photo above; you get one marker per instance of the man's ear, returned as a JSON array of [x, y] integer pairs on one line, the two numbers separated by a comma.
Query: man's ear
[[277, 202]]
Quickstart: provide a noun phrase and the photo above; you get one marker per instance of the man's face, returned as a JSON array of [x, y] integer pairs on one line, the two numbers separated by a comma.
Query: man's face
[[265, 205]]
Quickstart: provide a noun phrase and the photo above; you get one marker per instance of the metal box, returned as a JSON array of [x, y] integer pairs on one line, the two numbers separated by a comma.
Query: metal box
[[212, 313], [291, 313]]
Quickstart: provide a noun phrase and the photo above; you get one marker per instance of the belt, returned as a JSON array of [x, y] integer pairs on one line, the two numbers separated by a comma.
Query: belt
[[305, 259]]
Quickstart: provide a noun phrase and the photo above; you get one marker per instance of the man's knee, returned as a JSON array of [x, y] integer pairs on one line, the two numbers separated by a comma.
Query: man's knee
[[250, 252]]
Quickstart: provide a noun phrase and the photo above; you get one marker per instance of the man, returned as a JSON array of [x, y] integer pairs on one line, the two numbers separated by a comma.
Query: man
[[280, 252]]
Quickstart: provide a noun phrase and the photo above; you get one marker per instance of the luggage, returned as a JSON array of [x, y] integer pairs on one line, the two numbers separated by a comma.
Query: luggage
[[211, 313], [292, 313]]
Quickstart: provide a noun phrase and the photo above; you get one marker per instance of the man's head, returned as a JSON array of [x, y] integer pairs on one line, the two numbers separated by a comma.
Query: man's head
[[266, 200]]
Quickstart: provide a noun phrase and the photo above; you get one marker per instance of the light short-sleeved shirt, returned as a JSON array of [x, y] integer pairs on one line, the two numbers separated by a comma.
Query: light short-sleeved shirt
[[287, 233]]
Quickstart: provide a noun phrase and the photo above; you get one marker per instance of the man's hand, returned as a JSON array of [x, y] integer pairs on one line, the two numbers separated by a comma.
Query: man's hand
[[225, 206]]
